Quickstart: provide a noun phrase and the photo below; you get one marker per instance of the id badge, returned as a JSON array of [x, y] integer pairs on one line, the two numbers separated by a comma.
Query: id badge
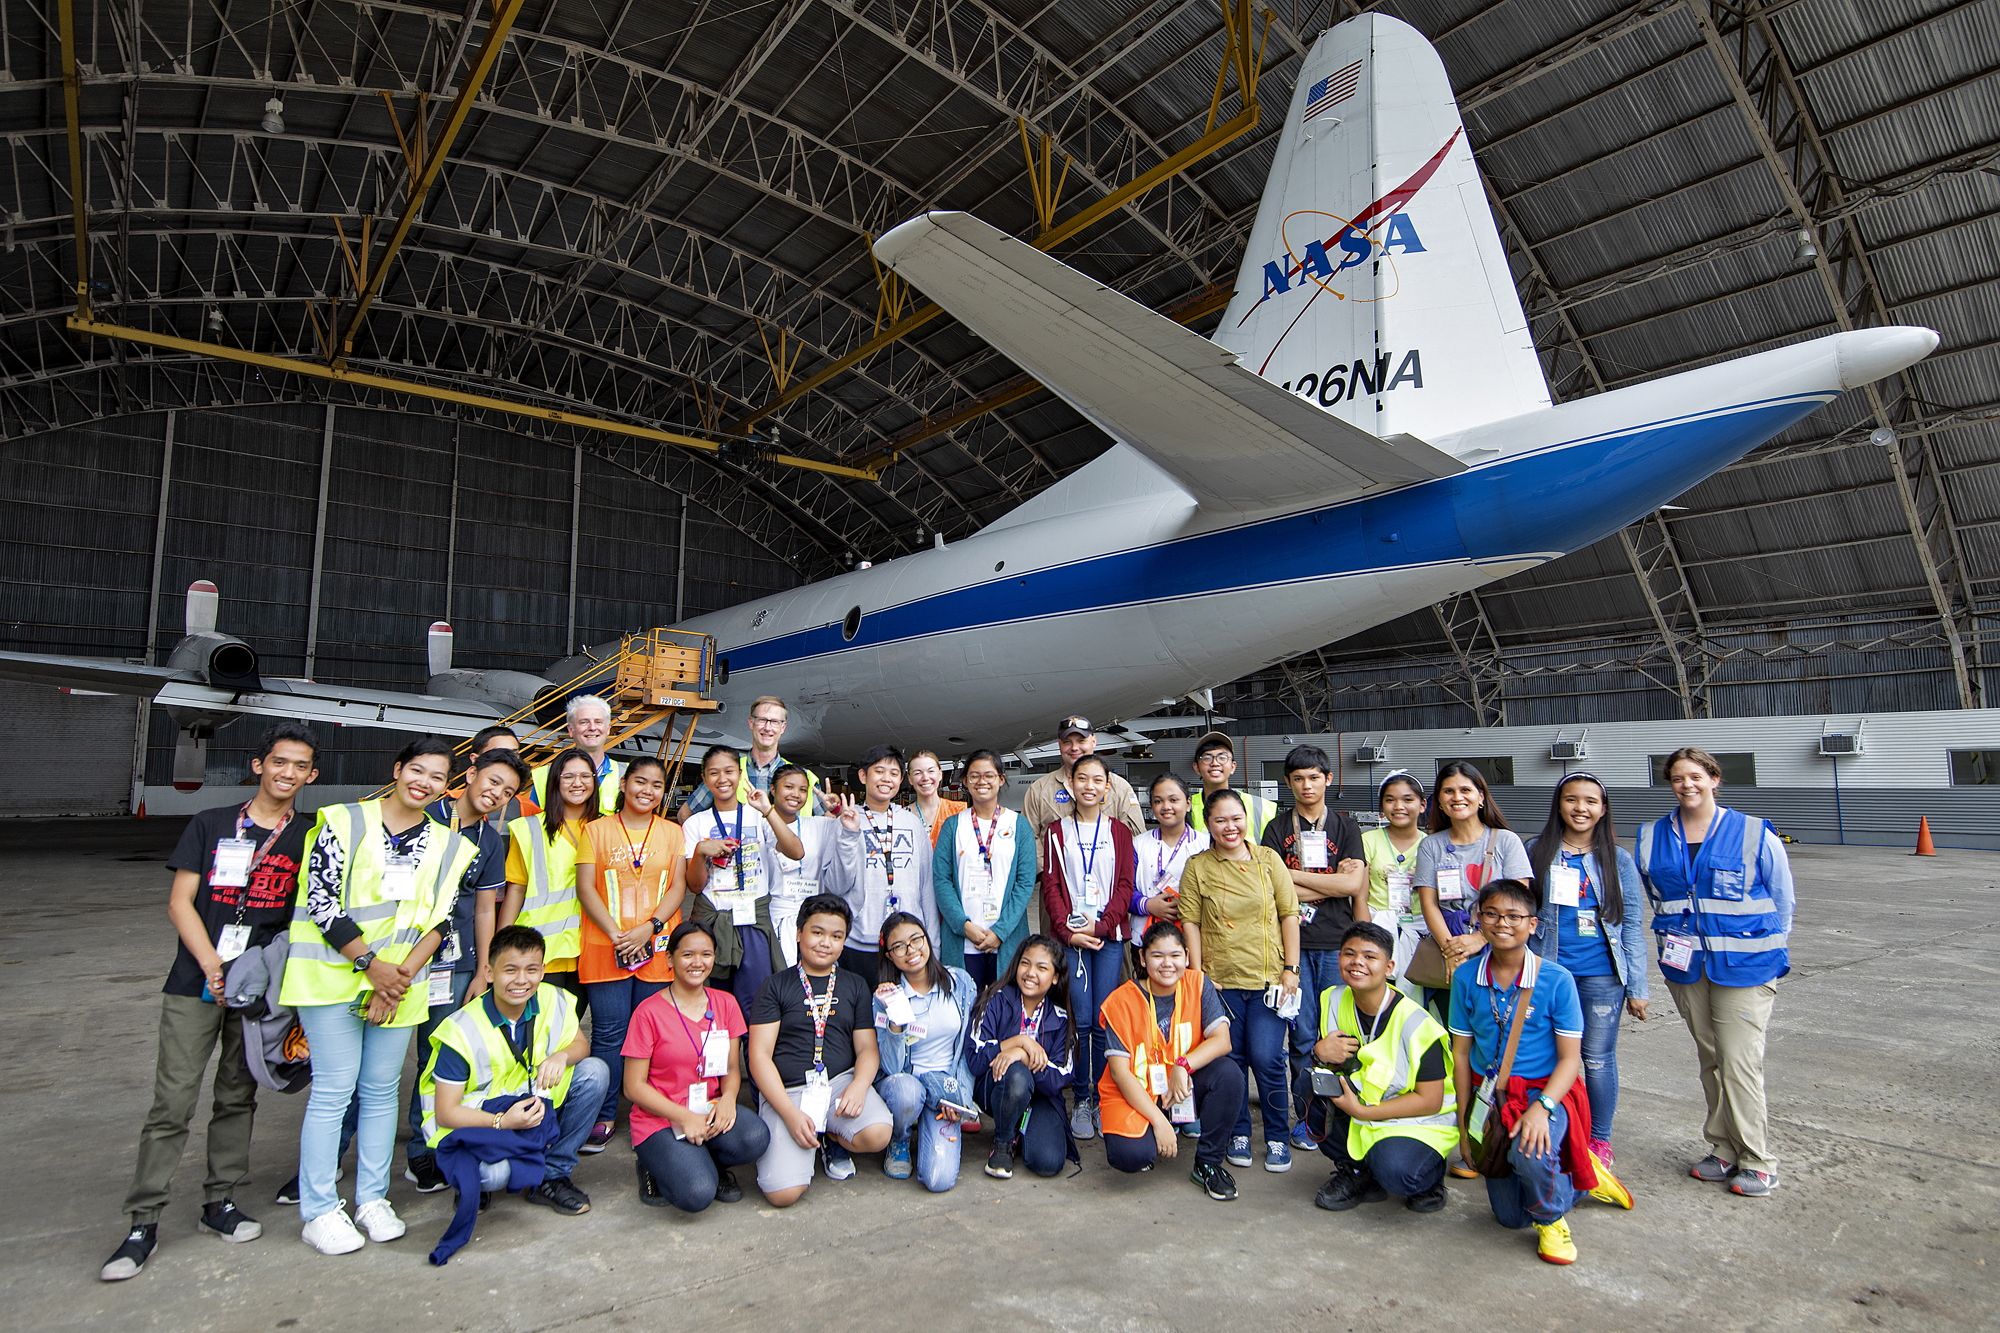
[[1451, 885], [1678, 952], [231, 868], [715, 1055], [1182, 1111], [1586, 921], [439, 986], [1565, 885], [697, 1100], [1156, 1080], [978, 897], [450, 952], [817, 1100], [1308, 913], [1312, 849], [1399, 891], [1482, 1106], [399, 878], [234, 940]]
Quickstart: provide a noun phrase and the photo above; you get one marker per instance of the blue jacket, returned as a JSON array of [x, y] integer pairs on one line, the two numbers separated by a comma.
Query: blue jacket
[[1628, 953], [1002, 1020], [1737, 906], [894, 1046], [1012, 927], [460, 1152]]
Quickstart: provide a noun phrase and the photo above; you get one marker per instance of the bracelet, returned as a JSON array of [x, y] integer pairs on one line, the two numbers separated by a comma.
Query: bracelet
[[1183, 1063], [498, 1116]]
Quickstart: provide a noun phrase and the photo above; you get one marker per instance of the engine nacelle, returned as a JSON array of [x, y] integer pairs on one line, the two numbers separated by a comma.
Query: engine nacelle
[[221, 660]]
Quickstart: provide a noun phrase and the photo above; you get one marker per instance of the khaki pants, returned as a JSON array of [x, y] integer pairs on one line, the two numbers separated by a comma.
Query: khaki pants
[[1728, 1024], [189, 1029]]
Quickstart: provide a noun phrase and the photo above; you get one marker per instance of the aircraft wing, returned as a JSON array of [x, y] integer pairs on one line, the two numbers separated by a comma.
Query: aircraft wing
[[101, 674], [337, 705], [1234, 439]]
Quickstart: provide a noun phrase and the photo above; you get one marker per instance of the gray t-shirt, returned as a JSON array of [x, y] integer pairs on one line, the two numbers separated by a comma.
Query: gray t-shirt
[[1438, 852]]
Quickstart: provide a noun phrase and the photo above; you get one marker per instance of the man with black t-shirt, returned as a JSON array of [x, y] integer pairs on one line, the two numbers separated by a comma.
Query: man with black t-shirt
[[1322, 849], [235, 873], [813, 1057]]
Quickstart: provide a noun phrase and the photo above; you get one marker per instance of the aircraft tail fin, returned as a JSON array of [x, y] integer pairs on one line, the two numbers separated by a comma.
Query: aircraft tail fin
[[1375, 285]]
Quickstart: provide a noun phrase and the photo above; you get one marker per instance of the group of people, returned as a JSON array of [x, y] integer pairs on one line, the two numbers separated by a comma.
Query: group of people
[[1430, 996]]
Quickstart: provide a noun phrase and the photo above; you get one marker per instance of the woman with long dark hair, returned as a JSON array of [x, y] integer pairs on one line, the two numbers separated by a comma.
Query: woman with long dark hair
[[1592, 921], [922, 1011], [1469, 847], [1021, 1047]]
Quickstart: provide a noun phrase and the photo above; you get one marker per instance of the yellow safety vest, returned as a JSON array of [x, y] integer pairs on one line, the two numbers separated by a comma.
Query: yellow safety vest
[[495, 1072], [318, 973], [549, 904], [1260, 811], [607, 787], [1389, 1069], [743, 787]]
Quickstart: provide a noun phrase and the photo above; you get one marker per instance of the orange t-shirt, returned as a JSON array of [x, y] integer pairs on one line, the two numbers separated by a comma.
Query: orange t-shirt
[[946, 809], [607, 843]]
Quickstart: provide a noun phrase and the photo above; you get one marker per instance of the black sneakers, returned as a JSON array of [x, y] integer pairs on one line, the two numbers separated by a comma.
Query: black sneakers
[[726, 1188], [1000, 1162], [289, 1191], [1427, 1201], [1345, 1189], [649, 1189], [222, 1219], [560, 1195], [130, 1257], [424, 1174], [1215, 1178]]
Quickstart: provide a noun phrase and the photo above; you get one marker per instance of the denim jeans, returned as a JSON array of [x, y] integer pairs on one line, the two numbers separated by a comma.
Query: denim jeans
[[611, 1006], [1603, 1005], [1027, 1117], [350, 1057], [913, 1101], [461, 982], [1398, 1163], [1319, 972], [1093, 975], [1219, 1094], [589, 1080], [1539, 1191], [687, 1172], [1257, 1042]]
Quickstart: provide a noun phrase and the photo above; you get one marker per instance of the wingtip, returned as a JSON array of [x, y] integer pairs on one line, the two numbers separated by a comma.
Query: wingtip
[[1867, 355], [896, 242]]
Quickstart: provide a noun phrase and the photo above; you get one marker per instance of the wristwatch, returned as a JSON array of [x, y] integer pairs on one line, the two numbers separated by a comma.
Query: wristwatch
[[362, 962], [658, 925], [1547, 1105], [1289, 968]]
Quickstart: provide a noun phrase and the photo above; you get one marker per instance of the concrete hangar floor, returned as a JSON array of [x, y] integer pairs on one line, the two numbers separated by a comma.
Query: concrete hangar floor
[[1882, 1051]]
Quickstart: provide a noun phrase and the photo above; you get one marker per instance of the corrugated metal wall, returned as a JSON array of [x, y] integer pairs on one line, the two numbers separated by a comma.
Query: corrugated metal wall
[[78, 526]]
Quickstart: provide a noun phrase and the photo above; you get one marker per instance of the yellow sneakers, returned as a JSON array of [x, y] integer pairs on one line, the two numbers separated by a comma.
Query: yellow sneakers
[[1610, 1189], [1553, 1243]]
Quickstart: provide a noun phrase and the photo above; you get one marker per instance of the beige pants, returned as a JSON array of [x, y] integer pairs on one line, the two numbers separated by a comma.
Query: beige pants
[[1728, 1025]]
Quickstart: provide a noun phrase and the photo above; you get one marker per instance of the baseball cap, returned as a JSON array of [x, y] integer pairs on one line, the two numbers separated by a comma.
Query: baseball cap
[[1074, 726], [1215, 740]]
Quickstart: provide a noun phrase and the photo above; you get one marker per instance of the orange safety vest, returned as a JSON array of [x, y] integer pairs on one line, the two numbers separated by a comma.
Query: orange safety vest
[[1130, 1016]]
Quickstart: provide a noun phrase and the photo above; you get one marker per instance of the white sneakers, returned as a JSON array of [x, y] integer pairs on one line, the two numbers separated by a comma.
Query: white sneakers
[[379, 1220], [334, 1233]]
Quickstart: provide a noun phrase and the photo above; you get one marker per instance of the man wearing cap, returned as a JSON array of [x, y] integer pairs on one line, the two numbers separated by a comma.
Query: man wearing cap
[[1048, 799], [1214, 765]]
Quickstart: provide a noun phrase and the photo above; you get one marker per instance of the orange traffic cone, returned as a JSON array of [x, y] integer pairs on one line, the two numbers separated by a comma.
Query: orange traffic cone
[[1924, 847]]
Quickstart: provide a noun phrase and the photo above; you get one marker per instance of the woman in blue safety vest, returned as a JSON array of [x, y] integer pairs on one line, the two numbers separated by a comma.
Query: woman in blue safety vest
[[1721, 888]]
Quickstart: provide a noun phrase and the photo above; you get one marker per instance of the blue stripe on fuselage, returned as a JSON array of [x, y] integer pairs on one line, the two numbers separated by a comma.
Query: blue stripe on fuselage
[[1558, 499]]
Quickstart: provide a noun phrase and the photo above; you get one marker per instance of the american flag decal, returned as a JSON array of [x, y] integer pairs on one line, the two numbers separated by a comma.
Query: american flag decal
[[1332, 90]]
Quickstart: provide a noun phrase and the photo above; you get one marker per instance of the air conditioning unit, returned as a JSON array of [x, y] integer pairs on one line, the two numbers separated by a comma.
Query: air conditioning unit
[[1568, 751], [1372, 751], [1839, 744]]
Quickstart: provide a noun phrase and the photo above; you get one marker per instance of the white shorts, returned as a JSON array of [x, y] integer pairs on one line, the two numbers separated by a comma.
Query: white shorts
[[785, 1165]]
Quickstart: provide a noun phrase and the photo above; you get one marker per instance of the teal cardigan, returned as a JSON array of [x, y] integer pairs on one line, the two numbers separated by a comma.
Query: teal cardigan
[[1012, 927]]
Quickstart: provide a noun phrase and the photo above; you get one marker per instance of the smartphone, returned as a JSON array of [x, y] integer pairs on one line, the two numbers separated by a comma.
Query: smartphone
[[962, 1111]]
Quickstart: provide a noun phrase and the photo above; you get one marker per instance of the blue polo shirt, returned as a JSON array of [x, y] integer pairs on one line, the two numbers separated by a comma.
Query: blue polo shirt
[[1486, 1015], [486, 874]]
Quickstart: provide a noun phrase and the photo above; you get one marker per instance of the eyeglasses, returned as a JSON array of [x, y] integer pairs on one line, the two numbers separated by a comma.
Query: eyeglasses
[[767, 721], [1506, 918], [914, 945]]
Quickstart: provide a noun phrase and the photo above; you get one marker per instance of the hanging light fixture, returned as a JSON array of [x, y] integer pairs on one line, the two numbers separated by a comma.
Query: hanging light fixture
[[274, 117], [1808, 249]]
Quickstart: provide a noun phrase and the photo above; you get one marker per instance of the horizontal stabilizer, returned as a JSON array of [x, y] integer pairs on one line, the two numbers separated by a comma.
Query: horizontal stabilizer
[[1234, 439]]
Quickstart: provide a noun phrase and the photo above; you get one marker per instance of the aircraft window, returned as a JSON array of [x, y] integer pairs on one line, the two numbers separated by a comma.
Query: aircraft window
[[852, 625], [999, 565]]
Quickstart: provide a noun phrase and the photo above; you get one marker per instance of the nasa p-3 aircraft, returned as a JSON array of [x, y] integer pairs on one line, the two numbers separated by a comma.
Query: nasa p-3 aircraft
[[1368, 432]]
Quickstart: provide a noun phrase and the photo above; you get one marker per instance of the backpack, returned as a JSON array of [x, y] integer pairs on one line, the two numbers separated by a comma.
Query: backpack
[[274, 1043]]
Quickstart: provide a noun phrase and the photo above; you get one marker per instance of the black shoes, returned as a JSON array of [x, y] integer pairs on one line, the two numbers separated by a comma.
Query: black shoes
[[289, 1191], [130, 1257], [424, 1174], [1345, 1189], [1215, 1179], [560, 1195], [649, 1189], [1427, 1201], [726, 1188], [1000, 1162], [224, 1220]]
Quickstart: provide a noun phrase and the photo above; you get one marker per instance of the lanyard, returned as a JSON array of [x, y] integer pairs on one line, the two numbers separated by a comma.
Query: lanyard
[[820, 1011], [785, 863], [1090, 858], [707, 1017], [242, 823], [1388, 1003], [885, 846], [1166, 1040], [1031, 1021], [638, 855], [1582, 872], [1160, 858], [523, 1047], [986, 841], [1493, 1002], [1690, 859], [739, 839]]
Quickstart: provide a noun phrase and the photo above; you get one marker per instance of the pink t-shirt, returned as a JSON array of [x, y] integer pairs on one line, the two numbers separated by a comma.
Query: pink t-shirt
[[671, 1042]]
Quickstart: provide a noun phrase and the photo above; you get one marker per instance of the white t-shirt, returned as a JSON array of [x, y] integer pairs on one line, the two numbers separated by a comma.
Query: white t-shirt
[[791, 882], [1090, 863], [757, 850], [1160, 865], [980, 893]]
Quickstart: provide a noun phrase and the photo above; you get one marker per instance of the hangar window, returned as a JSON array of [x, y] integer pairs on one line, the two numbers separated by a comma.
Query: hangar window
[[1738, 770], [852, 625], [1498, 770], [1975, 768]]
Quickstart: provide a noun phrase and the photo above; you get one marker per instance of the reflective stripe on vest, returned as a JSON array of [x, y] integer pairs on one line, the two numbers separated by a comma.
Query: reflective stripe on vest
[[318, 973], [1739, 936], [1388, 1069], [549, 904], [494, 1070]]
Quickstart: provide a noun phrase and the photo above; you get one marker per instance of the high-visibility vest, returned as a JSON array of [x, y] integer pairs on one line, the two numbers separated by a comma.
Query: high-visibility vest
[[607, 787], [1260, 811], [1389, 1069], [318, 973], [549, 904], [1728, 908], [494, 1070], [743, 787], [1129, 1014]]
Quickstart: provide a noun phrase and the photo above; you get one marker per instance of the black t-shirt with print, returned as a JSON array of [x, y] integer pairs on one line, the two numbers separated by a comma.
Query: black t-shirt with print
[[783, 1001], [1321, 922], [265, 902]]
